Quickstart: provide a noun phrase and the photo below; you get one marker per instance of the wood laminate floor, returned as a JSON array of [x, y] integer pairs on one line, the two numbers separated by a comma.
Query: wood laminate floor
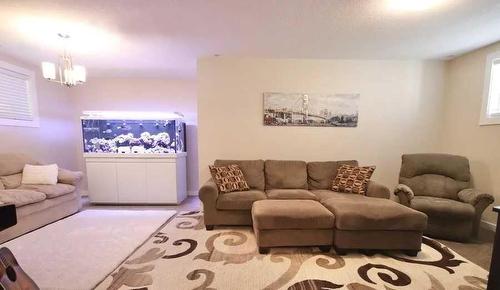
[[478, 251]]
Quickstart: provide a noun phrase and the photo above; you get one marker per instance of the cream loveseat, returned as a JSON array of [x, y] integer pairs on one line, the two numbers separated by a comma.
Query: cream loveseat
[[36, 205]]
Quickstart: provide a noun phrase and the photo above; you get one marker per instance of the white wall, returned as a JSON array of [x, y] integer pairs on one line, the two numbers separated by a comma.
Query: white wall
[[462, 134], [142, 95], [400, 111], [56, 139]]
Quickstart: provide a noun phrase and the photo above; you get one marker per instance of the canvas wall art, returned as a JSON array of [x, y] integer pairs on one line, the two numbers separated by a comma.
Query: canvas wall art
[[314, 110]]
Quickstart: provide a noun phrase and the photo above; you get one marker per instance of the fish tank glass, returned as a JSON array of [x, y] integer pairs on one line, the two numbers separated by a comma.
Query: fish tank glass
[[132, 132]]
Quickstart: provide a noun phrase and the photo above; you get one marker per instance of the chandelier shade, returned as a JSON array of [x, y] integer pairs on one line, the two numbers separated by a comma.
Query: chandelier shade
[[64, 72], [80, 73], [49, 70]]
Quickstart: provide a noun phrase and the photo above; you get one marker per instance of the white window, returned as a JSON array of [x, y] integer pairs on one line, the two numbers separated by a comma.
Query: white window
[[18, 102], [490, 112]]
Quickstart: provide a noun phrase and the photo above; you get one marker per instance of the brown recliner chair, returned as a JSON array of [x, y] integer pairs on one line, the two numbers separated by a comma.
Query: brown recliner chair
[[439, 185]]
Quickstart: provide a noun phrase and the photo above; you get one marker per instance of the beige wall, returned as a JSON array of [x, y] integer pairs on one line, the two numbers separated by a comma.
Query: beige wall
[[56, 139], [400, 111], [462, 133], [142, 95]]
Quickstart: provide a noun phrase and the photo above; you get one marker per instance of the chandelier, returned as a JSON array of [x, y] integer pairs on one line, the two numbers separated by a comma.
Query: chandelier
[[64, 72]]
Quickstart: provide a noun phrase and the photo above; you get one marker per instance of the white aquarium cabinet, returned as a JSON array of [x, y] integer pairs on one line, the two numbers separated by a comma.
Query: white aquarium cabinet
[[136, 178], [135, 157]]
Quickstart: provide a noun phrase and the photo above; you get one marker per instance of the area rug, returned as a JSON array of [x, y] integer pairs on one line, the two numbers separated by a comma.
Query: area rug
[[80, 251], [183, 255]]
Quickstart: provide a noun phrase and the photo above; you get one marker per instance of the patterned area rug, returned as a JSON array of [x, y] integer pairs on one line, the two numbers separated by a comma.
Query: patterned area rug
[[183, 255]]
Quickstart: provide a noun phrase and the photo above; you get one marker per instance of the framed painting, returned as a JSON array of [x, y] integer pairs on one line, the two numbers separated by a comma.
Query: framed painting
[[312, 110]]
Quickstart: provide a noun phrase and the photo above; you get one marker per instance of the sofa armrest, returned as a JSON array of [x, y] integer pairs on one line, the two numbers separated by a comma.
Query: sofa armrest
[[69, 177], [377, 190], [405, 194], [209, 192], [475, 197]]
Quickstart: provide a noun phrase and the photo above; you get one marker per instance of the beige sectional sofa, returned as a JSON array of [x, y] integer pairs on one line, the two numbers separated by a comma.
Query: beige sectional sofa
[[351, 221], [276, 180], [36, 205]]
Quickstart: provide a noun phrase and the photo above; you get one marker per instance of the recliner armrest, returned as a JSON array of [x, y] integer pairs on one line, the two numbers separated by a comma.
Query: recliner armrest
[[474, 197], [208, 192], [69, 177], [377, 190], [479, 200], [405, 194]]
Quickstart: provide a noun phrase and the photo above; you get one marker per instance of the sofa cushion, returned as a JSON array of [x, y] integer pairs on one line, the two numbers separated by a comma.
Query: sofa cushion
[[291, 214], [239, 200], [11, 181], [43, 205], [352, 179], [253, 171], [21, 197], [285, 174], [51, 191], [12, 163], [324, 194], [320, 174], [290, 194], [357, 212], [228, 178], [436, 207]]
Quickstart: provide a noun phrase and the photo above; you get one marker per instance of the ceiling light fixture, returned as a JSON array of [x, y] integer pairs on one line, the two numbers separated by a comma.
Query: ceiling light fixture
[[412, 5], [69, 75]]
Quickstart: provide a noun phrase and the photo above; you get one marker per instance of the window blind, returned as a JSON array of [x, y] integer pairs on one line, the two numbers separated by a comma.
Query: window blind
[[15, 100]]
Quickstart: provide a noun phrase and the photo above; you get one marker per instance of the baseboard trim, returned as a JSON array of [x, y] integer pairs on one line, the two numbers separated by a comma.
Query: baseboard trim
[[488, 225], [189, 193], [192, 193]]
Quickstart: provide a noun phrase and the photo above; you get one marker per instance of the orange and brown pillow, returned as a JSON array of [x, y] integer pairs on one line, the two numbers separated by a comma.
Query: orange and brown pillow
[[352, 179], [229, 178]]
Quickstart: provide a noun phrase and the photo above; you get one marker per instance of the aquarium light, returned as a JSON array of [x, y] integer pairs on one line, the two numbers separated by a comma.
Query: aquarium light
[[130, 115]]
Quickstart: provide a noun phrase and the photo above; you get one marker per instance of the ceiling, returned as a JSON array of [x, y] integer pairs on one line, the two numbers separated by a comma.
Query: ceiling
[[164, 38]]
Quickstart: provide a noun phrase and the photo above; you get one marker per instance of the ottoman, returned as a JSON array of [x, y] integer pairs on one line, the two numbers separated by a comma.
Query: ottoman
[[279, 223], [375, 224]]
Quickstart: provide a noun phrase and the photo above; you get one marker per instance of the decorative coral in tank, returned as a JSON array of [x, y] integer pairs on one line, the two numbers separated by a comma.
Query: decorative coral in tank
[[132, 132]]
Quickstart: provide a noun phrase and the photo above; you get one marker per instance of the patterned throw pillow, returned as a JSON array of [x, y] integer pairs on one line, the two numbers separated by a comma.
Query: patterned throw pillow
[[229, 178], [352, 179]]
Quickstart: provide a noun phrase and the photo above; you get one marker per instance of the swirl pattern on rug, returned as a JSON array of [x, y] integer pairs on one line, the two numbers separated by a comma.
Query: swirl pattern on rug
[[183, 255]]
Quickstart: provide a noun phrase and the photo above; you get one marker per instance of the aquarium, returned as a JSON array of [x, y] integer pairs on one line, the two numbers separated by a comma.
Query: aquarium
[[133, 133]]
